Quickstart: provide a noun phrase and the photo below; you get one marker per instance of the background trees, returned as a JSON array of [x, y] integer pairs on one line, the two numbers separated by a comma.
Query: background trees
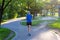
[[18, 8], [3, 5]]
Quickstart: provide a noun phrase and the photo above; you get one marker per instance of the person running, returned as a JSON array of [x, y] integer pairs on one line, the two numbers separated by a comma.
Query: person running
[[29, 22]]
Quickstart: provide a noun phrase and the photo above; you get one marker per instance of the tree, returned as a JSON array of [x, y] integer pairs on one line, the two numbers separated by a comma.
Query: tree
[[20, 7], [2, 8], [59, 12]]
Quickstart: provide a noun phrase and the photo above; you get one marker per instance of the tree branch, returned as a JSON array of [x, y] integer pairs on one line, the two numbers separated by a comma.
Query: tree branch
[[2, 4], [7, 4]]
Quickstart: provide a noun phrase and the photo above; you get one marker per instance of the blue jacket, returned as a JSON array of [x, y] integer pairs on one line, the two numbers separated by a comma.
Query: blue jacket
[[29, 18]]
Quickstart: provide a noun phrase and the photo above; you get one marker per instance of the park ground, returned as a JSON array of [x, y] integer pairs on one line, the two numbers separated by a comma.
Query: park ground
[[39, 32]]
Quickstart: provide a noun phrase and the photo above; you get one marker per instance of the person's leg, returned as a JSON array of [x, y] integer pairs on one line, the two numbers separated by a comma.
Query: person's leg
[[29, 29]]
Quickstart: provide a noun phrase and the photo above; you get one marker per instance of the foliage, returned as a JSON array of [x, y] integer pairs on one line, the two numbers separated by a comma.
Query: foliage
[[18, 8], [4, 32]]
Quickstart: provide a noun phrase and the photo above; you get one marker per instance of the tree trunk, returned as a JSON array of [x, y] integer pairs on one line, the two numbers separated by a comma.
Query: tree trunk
[[46, 12], [52, 13], [2, 7], [1, 10], [35, 14], [59, 12]]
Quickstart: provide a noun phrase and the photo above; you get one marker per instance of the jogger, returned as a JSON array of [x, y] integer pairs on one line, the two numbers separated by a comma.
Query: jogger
[[29, 22]]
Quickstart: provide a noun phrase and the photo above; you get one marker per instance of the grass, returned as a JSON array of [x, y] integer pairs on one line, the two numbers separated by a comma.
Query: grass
[[35, 21], [55, 24], [12, 36], [4, 33]]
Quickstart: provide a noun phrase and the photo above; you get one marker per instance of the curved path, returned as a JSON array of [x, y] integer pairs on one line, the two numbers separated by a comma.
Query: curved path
[[41, 32]]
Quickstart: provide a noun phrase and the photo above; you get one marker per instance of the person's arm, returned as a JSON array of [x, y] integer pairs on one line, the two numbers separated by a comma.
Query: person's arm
[[32, 16], [26, 17]]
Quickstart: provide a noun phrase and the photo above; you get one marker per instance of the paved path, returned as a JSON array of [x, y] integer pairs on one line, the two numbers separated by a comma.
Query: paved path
[[40, 32]]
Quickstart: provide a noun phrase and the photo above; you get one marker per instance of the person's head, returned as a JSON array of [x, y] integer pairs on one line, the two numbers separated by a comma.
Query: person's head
[[28, 12]]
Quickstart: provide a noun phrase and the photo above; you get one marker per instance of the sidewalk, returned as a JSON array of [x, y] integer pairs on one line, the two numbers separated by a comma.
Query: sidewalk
[[38, 33]]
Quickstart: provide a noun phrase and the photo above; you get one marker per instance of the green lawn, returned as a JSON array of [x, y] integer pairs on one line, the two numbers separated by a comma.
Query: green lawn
[[4, 32], [55, 24], [35, 21]]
